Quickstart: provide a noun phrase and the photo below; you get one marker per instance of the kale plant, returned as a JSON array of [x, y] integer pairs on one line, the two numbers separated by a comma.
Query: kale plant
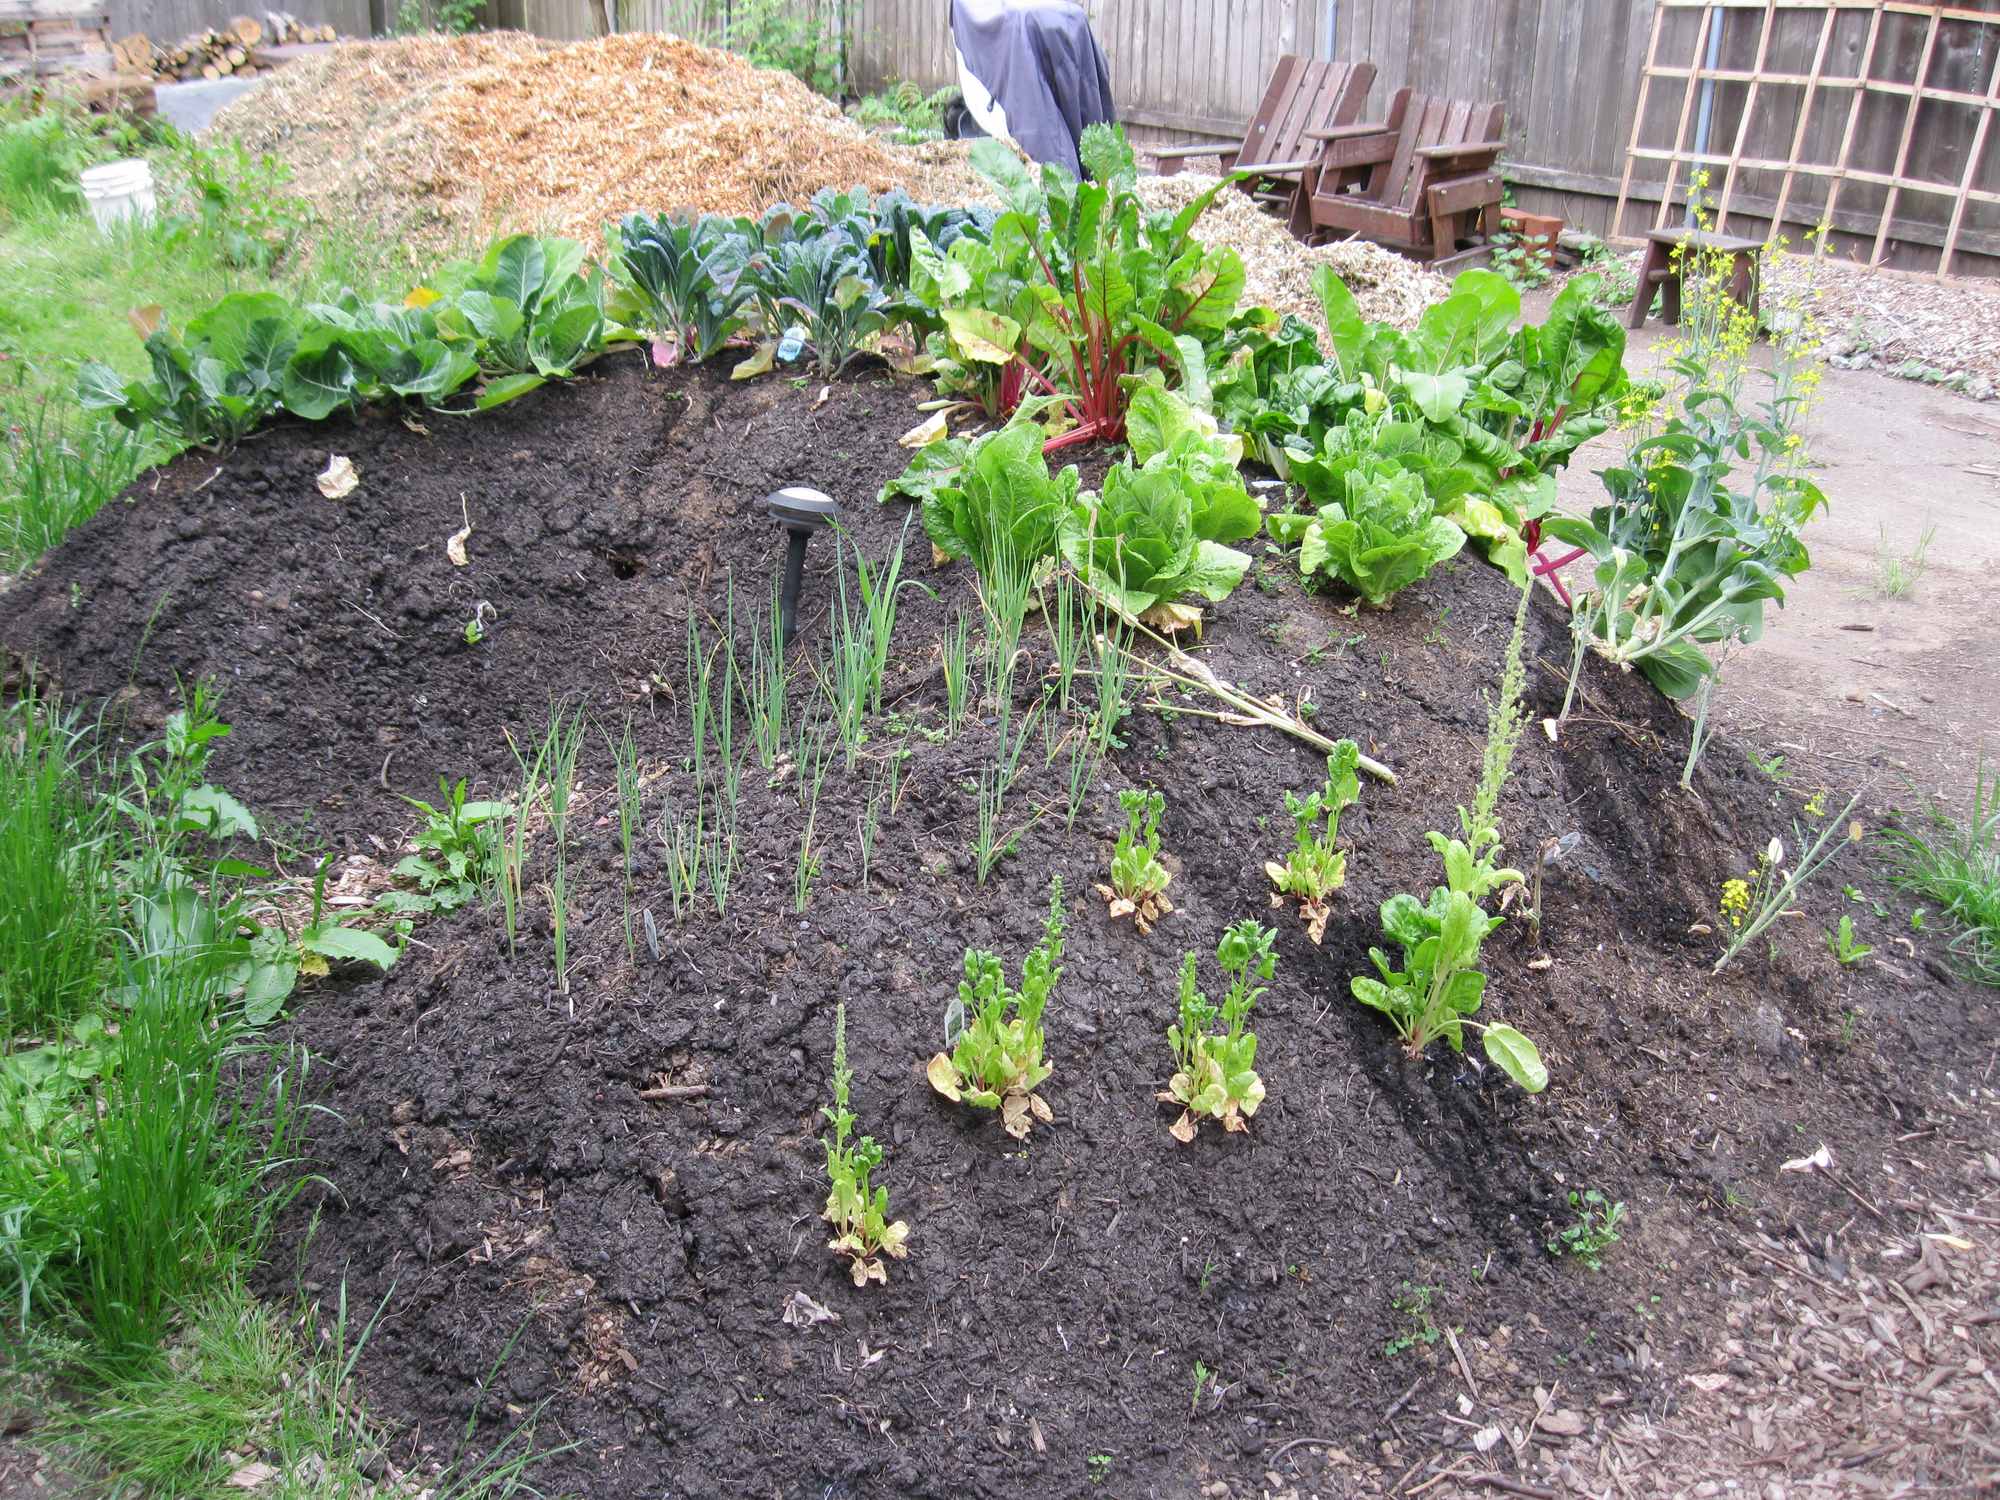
[[682, 276]]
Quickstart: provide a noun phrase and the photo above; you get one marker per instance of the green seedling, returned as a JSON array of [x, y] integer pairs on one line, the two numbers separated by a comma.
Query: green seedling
[[1316, 867], [1204, 1380], [1138, 887], [1414, 1303], [1214, 1073], [1594, 1232], [1846, 949], [996, 1061], [857, 1210]]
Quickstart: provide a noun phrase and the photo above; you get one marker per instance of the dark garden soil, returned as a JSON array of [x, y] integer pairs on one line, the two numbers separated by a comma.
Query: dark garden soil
[[496, 1173]]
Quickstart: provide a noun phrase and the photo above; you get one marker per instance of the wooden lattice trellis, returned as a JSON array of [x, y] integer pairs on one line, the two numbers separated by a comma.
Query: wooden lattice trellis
[[1917, 91]]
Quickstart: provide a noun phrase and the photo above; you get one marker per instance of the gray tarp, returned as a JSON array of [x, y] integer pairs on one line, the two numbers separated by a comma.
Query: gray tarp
[[1040, 62]]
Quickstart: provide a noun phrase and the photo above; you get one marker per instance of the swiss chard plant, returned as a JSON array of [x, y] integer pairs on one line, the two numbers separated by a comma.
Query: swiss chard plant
[[682, 278], [455, 855], [1159, 528], [1098, 287], [1139, 881], [855, 1207], [1215, 1075], [996, 1061], [1316, 867]]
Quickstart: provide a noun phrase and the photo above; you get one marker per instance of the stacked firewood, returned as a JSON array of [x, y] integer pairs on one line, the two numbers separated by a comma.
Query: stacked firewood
[[230, 52]]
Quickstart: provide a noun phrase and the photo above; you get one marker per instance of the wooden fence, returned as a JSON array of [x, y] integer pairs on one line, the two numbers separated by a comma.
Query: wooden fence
[[1569, 72], [170, 20]]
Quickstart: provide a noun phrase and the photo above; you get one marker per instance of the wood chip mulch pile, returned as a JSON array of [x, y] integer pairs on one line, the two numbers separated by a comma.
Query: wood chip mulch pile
[[1279, 268], [1941, 332], [436, 141]]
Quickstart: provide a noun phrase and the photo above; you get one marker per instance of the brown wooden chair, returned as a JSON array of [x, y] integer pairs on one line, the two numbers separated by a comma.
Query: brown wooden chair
[[1305, 95], [1424, 181]]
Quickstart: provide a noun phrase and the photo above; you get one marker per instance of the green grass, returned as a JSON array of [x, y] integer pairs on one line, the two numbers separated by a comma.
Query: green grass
[[54, 850], [1956, 863], [227, 222], [239, 1377]]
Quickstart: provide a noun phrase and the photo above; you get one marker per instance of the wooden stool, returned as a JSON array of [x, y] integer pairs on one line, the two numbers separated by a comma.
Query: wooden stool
[[1662, 269]]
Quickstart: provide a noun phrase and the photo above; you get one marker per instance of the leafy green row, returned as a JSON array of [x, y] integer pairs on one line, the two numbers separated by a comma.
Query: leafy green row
[[527, 311]]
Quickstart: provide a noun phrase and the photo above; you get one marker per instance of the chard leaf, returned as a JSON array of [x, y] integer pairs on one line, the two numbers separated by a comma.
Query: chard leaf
[[1515, 1056]]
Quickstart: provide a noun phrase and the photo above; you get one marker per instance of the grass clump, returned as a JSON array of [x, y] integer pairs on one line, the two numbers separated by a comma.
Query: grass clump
[[1956, 862]]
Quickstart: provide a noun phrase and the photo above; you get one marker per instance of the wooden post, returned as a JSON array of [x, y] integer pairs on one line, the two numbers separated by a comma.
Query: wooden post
[[1805, 114], [1743, 125], [1971, 168], [1909, 133], [1854, 112], [1638, 121], [1695, 71]]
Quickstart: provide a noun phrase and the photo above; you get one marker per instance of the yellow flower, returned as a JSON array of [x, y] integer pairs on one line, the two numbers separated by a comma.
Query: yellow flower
[[1735, 902]]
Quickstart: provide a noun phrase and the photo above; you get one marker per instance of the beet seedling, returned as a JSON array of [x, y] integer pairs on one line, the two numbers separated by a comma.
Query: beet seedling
[[997, 1060], [857, 1210], [1213, 1074], [1316, 868], [1138, 887]]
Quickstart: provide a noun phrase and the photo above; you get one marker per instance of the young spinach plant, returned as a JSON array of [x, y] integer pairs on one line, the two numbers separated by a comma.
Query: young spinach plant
[[1138, 887], [1316, 867], [997, 1061], [1214, 1073], [856, 1208]]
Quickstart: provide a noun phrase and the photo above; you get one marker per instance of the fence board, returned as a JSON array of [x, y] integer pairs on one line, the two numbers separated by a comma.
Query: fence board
[[169, 20]]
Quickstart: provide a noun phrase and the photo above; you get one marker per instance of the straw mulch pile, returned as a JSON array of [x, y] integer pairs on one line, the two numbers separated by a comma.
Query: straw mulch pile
[[1279, 268], [433, 141]]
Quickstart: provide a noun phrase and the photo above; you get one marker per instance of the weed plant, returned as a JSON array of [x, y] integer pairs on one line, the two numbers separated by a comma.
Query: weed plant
[[57, 469], [1752, 902], [1898, 573]]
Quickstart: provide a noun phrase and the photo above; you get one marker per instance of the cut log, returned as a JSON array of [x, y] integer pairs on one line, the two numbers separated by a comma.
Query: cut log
[[210, 71], [246, 31], [236, 55]]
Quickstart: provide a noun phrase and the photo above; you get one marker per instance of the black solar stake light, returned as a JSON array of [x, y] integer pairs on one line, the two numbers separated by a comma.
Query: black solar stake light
[[801, 512]]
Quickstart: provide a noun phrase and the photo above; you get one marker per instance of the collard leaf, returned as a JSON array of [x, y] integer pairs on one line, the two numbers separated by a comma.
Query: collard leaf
[[350, 944], [507, 388], [1515, 1056]]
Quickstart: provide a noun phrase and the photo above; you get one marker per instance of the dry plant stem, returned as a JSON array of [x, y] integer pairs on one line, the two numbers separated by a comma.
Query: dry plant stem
[[1186, 671]]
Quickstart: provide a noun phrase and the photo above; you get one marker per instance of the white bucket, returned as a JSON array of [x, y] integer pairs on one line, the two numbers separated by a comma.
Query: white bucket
[[118, 190]]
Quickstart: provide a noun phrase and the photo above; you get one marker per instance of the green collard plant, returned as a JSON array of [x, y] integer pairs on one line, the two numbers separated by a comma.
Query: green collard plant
[[1215, 1077], [1139, 881], [857, 1210], [1316, 867], [1439, 985], [996, 1061], [680, 281]]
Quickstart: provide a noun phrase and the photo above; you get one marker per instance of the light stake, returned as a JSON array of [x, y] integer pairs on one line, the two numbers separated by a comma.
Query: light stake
[[801, 512]]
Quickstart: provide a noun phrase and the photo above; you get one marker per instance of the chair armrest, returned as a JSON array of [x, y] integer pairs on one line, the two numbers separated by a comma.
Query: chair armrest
[[1469, 148], [1180, 153], [1343, 132]]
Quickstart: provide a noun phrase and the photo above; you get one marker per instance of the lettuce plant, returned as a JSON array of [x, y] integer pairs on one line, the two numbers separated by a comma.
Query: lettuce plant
[[1138, 887], [1158, 529], [990, 501], [1316, 866], [527, 311], [1214, 1074], [857, 1210], [1378, 528], [997, 1060], [682, 276]]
